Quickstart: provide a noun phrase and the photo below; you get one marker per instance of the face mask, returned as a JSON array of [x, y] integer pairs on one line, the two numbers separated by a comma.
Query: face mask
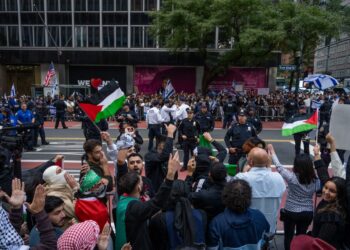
[[50, 176]]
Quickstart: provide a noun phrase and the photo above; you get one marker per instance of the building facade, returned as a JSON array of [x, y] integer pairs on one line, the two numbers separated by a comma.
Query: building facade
[[87, 39]]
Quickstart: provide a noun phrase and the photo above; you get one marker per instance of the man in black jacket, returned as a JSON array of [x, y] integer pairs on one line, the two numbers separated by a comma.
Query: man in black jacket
[[209, 198], [156, 160], [60, 106], [138, 213]]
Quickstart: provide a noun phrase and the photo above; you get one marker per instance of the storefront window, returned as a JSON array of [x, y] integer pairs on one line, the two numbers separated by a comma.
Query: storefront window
[[121, 36]]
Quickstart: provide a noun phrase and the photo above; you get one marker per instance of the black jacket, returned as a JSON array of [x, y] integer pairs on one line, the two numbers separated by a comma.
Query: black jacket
[[206, 121], [209, 199], [156, 164], [137, 216], [238, 134], [189, 128], [60, 106]]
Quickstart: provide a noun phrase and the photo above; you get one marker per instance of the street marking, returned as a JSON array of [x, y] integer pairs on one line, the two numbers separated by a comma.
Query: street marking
[[311, 148]]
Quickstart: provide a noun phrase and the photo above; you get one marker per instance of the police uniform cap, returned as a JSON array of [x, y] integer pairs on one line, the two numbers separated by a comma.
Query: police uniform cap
[[242, 112], [189, 110]]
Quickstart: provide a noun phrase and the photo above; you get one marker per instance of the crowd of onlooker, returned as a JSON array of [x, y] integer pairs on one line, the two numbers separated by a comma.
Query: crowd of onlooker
[[271, 107]]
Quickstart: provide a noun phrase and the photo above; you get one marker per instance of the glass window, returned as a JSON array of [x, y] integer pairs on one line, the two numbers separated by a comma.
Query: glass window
[[66, 36], [94, 36], [108, 36], [38, 5], [52, 5], [27, 36], [65, 5], [121, 36], [136, 5], [13, 36], [2, 5], [3, 34], [80, 5], [11, 5], [53, 36], [136, 37], [39, 36], [107, 5], [150, 42], [150, 5], [81, 36], [121, 5], [26, 5], [94, 5]]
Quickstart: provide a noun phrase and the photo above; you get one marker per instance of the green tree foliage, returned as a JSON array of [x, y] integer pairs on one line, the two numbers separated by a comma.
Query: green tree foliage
[[249, 30]]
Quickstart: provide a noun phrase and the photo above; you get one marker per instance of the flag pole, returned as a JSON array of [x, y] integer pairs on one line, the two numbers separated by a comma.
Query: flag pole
[[317, 109]]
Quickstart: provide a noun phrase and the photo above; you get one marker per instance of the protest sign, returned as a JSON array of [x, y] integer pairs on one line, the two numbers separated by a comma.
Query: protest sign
[[339, 126]]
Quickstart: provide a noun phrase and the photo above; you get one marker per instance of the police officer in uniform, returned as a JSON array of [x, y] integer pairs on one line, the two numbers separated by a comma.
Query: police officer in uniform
[[291, 107], [301, 136], [60, 106], [205, 119], [26, 118], [237, 135], [230, 110], [40, 111], [188, 130], [254, 120], [154, 121]]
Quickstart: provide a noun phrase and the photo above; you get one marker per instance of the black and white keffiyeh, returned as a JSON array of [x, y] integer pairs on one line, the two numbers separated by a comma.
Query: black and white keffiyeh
[[9, 238]]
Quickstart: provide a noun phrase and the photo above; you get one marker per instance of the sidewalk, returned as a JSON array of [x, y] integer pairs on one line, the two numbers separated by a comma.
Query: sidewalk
[[271, 125]]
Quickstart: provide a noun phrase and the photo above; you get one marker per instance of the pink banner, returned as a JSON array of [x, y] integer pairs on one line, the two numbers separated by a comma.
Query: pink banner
[[250, 78], [149, 80]]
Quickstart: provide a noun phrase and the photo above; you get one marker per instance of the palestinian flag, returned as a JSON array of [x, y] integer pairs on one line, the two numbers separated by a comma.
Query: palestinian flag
[[300, 124], [105, 103]]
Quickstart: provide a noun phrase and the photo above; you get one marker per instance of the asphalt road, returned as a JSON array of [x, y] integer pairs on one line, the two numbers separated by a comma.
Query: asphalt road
[[70, 141]]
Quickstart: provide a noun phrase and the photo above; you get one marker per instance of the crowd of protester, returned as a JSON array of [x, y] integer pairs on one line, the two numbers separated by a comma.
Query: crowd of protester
[[145, 202]]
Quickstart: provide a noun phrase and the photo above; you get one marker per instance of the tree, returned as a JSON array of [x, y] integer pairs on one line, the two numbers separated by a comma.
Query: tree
[[249, 30]]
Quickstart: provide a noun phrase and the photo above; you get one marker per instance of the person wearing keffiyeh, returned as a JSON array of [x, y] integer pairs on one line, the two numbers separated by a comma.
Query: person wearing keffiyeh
[[9, 239]]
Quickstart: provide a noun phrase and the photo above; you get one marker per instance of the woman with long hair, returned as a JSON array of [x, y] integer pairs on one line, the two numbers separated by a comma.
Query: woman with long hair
[[180, 225], [302, 185], [330, 217]]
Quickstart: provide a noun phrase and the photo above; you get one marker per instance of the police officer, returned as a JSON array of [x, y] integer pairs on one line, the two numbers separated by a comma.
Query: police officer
[[325, 111], [237, 135], [291, 107], [188, 130], [205, 119], [254, 120], [40, 111], [60, 106], [230, 110], [301, 136], [154, 121], [25, 117]]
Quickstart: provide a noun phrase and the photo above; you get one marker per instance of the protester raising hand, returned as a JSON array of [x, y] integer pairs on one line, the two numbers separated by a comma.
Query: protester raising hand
[[38, 203], [102, 242], [174, 165], [18, 195]]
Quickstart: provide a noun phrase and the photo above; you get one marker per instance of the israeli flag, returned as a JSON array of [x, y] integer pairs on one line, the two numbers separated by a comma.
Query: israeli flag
[[13, 90], [169, 90], [321, 81]]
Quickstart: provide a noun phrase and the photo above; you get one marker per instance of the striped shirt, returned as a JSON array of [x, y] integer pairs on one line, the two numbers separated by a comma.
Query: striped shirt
[[299, 196]]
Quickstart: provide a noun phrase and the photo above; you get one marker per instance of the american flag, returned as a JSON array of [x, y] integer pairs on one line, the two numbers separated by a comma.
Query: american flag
[[51, 73]]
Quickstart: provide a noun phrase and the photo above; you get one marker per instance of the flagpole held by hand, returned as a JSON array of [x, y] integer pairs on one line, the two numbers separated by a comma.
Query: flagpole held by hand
[[317, 110]]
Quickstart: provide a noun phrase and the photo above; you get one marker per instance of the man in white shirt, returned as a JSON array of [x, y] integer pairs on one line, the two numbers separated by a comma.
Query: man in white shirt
[[181, 112], [154, 121], [267, 186], [168, 113]]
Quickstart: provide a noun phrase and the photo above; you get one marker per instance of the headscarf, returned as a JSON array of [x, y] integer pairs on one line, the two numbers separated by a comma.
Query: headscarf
[[88, 181], [9, 238], [81, 236], [51, 177]]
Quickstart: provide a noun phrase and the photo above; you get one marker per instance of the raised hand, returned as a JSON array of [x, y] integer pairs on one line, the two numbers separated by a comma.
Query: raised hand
[[174, 165], [38, 203], [71, 181], [102, 242], [18, 195], [207, 136]]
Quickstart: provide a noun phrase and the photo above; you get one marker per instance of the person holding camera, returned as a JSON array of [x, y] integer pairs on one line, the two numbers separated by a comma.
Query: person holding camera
[[127, 115]]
